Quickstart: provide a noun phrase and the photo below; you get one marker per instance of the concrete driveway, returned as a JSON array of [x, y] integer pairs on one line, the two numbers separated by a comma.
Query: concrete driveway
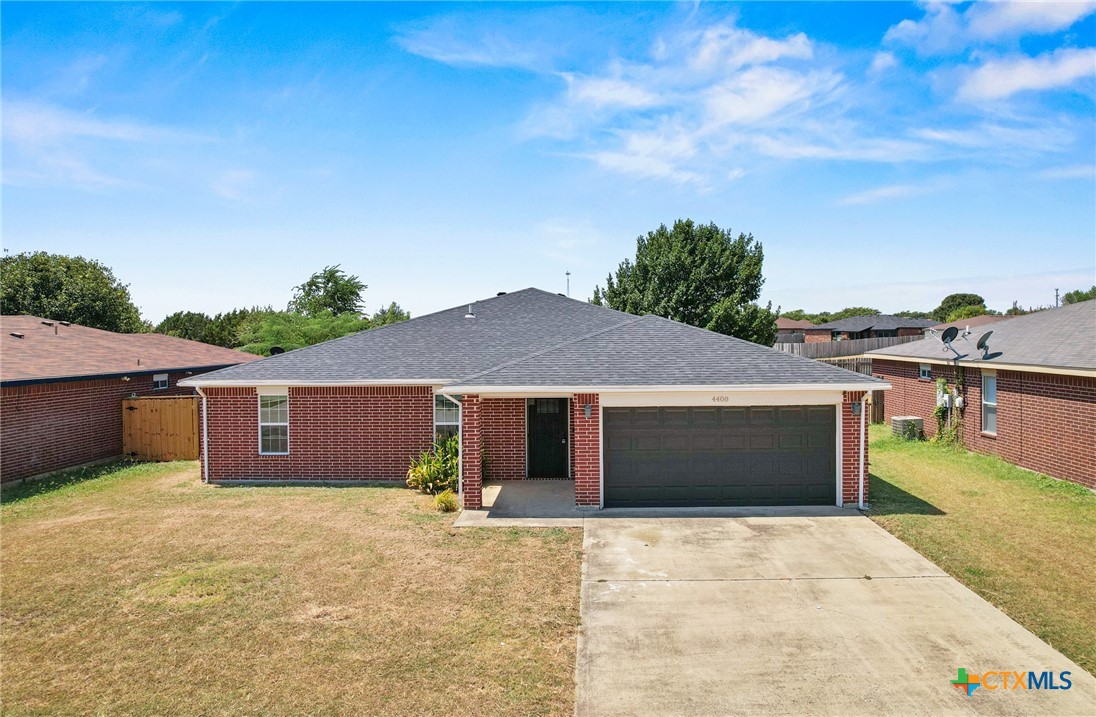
[[793, 612]]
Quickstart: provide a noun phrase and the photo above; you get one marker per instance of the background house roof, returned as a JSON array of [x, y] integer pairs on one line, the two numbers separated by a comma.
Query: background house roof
[[50, 350], [783, 324], [881, 322], [1054, 338], [535, 336], [650, 350]]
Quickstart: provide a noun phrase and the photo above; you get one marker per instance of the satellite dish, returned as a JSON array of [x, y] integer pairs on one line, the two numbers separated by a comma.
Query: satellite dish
[[275, 350], [984, 341], [949, 334]]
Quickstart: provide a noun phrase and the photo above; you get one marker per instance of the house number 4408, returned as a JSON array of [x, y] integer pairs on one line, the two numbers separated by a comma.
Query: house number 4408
[[721, 399]]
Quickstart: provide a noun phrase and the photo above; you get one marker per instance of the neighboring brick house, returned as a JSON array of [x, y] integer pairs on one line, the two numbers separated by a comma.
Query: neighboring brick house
[[62, 385], [636, 410], [866, 327], [790, 329], [1031, 400]]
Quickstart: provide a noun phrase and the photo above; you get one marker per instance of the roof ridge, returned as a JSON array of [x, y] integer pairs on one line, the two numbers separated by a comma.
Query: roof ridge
[[535, 354]]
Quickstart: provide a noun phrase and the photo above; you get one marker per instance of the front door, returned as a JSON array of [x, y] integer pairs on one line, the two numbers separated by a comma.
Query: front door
[[547, 437]]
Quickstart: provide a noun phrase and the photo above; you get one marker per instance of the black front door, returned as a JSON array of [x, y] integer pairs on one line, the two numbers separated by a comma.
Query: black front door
[[547, 428]]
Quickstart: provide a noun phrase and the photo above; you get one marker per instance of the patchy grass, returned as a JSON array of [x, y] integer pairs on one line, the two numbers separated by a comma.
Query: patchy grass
[[1023, 541], [145, 592]]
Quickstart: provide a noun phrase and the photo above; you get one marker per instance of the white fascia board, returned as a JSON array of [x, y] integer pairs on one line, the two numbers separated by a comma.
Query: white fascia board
[[213, 383], [561, 390], [991, 365], [721, 398]]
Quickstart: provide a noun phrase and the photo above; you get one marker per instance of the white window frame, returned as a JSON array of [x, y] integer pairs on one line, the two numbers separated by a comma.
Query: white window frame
[[437, 423], [159, 378], [985, 403], [280, 393], [924, 371]]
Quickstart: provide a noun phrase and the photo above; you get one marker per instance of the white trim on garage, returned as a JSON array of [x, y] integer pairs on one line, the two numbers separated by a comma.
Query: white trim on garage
[[721, 398]]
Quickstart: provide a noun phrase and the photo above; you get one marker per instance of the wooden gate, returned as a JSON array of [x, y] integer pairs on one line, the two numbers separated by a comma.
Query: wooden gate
[[160, 428]]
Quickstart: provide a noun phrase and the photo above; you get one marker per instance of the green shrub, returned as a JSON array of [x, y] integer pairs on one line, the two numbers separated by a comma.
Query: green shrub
[[435, 471], [446, 501]]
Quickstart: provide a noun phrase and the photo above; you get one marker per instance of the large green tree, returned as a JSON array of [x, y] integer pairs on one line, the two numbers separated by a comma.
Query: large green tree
[[954, 302], [1079, 295], [192, 325], [850, 311], [913, 314], [698, 274], [67, 288], [290, 330], [390, 314], [966, 312], [331, 290]]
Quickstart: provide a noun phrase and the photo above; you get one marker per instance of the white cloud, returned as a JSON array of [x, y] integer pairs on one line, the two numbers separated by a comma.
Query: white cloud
[[998, 79], [881, 62], [879, 194], [601, 92], [1076, 171], [1001, 19], [455, 40], [760, 92], [39, 124], [943, 29]]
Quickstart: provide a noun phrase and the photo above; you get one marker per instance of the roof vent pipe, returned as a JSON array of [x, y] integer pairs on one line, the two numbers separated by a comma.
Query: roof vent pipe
[[469, 315]]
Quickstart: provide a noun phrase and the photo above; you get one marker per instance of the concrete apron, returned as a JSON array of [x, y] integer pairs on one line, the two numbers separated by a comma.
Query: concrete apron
[[823, 614]]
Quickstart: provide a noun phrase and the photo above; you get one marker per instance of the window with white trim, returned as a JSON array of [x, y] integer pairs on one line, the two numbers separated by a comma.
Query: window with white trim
[[159, 381], [274, 425], [924, 371], [446, 417], [989, 403]]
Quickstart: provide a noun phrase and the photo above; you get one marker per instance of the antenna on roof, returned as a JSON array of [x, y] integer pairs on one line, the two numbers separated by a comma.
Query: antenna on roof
[[568, 283]]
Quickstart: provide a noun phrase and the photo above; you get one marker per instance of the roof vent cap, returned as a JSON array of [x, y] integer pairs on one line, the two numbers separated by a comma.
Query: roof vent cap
[[470, 315], [16, 334], [501, 293]]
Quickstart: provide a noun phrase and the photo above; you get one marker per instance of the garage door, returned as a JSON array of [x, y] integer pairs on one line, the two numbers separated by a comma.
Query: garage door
[[760, 455]]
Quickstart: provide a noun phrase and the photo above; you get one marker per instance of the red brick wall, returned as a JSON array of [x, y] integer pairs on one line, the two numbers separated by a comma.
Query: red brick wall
[[911, 332], [470, 452], [335, 432], [586, 466], [47, 427], [814, 337], [850, 451], [504, 438], [1045, 422]]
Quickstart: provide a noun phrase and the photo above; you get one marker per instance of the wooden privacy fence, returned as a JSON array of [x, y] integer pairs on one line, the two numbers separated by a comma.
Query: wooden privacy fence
[[833, 349], [160, 428], [862, 364]]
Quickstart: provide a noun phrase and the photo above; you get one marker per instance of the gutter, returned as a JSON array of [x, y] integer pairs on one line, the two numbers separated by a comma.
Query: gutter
[[205, 434], [863, 442], [460, 448]]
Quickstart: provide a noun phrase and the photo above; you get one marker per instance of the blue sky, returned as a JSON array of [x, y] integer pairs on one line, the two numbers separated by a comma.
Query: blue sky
[[885, 154]]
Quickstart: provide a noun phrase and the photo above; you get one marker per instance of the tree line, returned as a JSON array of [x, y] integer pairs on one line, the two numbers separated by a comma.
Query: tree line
[[84, 291]]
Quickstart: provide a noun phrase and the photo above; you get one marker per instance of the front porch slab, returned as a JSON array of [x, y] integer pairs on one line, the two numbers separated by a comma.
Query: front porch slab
[[526, 503]]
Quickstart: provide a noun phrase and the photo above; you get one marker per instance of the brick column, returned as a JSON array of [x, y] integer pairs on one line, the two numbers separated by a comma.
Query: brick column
[[850, 450], [471, 448], [587, 450]]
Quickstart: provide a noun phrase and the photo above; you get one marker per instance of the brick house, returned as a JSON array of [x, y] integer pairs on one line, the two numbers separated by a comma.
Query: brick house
[[1031, 399], [635, 410], [62, 385], [866, 327], [788, 329]]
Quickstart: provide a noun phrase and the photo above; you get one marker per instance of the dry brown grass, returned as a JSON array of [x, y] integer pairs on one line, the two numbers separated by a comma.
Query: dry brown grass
[[1024, 542], [148, 593]]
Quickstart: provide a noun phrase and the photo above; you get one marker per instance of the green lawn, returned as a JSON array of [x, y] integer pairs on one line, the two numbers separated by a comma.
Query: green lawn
[[140, 591], [1023, 541]]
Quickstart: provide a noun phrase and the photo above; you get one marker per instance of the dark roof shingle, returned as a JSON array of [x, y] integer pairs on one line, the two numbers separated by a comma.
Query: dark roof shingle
[[532, 337], [881, 322]]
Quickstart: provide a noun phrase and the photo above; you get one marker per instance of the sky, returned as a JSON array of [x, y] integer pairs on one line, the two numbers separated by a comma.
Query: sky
[[884, 154]]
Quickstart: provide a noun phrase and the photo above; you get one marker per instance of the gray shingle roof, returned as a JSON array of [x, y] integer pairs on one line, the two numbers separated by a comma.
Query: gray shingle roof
[[652, 351], [532, 337], [1055, 338], [882, 322]]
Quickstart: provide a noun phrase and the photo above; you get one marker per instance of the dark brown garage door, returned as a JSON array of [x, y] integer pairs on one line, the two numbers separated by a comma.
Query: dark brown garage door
[[779, 455]]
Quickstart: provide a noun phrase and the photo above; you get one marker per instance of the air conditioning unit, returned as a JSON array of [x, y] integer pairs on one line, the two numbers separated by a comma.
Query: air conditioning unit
[[907, 426]]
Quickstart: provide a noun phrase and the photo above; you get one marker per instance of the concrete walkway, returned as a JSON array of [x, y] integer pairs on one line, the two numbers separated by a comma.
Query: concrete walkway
[[822, 614]]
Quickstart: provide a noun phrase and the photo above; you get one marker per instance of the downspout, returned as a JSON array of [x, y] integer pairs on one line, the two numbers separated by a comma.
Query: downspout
[[863, 441], [460, 447], [205, 434]]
